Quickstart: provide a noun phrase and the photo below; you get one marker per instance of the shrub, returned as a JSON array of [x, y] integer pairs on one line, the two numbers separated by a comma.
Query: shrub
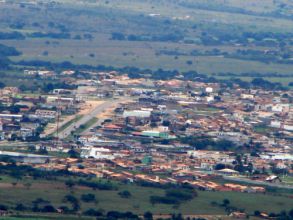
[[88, 197], [124, 194], [163, 200], [92, 212], [180, 194]]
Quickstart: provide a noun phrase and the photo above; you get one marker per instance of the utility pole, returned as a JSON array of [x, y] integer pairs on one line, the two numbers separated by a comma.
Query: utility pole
[[58, 143]]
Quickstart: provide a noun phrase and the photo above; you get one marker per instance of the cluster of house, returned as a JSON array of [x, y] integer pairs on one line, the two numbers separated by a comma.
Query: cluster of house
[[117, 170], [24, 116], [166, 111], [148, 139], [47, 73]]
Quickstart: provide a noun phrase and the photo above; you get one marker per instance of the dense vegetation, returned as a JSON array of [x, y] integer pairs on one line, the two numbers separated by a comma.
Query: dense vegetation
[[5, 52]]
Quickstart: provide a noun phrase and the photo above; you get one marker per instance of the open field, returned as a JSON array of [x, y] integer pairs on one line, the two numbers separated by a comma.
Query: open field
[[190, 19], [139, 54], [205, 12], [45, 217], [288, 180], [138, 203]]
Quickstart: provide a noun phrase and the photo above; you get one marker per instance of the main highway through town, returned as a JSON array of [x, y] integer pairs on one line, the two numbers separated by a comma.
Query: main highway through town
[[108, 104]]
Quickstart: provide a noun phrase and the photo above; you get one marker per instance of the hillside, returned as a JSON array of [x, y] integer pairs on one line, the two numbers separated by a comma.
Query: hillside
[[223, 38]]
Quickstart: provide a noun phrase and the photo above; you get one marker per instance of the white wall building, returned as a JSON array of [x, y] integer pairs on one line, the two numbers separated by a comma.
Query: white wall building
[[137, 113], [97, 153], [276, 124], [209, 89]]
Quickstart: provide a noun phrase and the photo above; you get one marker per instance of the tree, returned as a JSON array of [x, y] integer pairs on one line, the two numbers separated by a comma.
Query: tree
[[117, 36], [64, 209], [257, 213], [166, 123], [73, 153], [23, 87], [43, 151], [3, 207], [77, 37], [73, 200], [121, 215], [69, 183], [82, 127], [124, 194], [153, 124], [189, 62], [17, 174], [39, 204], [20, 207], [4, 64], [183, 195], [250, 167], [2, 84], [31, 148], [226, 202], [164, 200], [88, 197], [177, 217], [48, 87], [27, 185], [239, 164], [220, 166], [93, 212], [148, 216], [48, 208], [14, 109], [8, 51]]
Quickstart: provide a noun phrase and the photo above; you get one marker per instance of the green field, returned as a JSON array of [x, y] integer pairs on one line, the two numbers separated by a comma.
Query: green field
[[54, 191], [139, 54], [188, 18], [45, 217], [288, 180]]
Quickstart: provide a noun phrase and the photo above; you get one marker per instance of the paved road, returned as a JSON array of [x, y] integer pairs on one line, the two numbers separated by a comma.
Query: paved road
[[96, 111], [245, 180], [16, 143]]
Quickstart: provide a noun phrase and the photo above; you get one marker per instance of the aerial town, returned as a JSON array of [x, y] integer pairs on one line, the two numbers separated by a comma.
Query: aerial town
[[146, 109], [170, 131]]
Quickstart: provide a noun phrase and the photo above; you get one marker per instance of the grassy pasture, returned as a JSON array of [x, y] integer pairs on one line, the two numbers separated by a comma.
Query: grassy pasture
[[140, 54], [54, 191], [101, 18]]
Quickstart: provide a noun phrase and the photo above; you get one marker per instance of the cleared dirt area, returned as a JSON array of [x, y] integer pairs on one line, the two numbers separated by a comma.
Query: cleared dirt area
[[89, 106]]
